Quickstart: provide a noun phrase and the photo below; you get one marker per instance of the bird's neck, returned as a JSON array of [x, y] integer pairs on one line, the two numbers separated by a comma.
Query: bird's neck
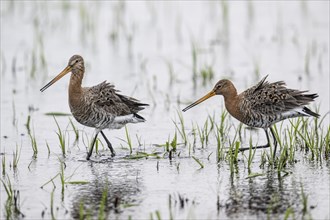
[[231, 103], [230, 93], [75, 89], [75, 82]]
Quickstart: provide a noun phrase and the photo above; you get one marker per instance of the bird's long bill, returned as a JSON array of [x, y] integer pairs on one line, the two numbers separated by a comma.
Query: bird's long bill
[[59, 76], [208, 95]]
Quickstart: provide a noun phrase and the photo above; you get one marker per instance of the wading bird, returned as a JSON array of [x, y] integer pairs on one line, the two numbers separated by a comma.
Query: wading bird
[[262, 105], [100, 106]]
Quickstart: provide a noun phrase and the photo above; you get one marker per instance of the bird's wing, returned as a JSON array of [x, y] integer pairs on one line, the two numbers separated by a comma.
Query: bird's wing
[[104, 96], [270, 98]]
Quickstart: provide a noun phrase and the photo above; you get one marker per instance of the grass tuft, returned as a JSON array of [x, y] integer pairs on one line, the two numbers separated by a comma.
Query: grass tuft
[[199, 162], [75, 130], [181, 128], [3, 164], [61, 138], [16, 156], [34, 144], [128, 141]]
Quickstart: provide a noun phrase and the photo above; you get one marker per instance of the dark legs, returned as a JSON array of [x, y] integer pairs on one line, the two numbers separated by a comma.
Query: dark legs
[[92, 146], [264, 146], [93, 143], [113, 153]]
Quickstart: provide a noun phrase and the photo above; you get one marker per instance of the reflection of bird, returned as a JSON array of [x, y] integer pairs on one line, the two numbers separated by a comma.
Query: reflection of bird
[[99, 106], [262, 105]]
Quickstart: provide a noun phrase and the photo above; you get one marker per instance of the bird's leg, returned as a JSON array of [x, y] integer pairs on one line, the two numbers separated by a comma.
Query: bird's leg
[[275, 141], [89, 154], [113, 153], [258, 147]]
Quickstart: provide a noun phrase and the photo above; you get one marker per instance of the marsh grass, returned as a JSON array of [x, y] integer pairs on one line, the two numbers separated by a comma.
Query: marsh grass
[[157, 215], [312, 137], [170, 146], [289, 143], [140, 155], [287, 148], [207, 75], [52, 213], [3, 165], [103, 203], [277, 133], [223, 124], [253, 175], [194, 64], [220, 135], [181, 128], [85, 140], [220, 148], [16, 157], [48, 148], [12, 204], [251, 156], [64, 179], [75, 130], [174, 142], [128, 140], [9, 202], [50, 181], [28, 123], [208, 128], [304, 200], [61, 138], [289, 212], [199, 162], [33, 144], [57, 114], [201, 136], [205, 131], [233, 155], [83, 214], [326, 143]]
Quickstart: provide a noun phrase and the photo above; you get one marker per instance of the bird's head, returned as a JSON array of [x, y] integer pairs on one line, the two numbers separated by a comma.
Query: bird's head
[[222, 87], [75, 65]]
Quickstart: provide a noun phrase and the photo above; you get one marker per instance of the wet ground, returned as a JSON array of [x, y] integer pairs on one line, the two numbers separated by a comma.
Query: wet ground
[[166, 54]]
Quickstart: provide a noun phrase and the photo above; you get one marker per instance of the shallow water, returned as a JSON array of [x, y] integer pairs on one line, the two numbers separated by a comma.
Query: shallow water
[[146, 49]]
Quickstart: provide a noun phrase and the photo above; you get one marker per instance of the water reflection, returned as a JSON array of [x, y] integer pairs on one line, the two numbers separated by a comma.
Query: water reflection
[[114, 186], [269, 194]]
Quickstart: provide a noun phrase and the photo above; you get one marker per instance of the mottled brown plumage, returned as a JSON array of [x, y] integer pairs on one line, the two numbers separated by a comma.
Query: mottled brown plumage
[[262, 105], [100, 106]]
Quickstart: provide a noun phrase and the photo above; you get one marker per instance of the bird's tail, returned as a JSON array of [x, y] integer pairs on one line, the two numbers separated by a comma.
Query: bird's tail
[[138, 118], [310, 112]]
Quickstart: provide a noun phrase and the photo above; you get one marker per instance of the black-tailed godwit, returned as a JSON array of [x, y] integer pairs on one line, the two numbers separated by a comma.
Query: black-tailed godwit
[[262, 105], [100, 106]]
